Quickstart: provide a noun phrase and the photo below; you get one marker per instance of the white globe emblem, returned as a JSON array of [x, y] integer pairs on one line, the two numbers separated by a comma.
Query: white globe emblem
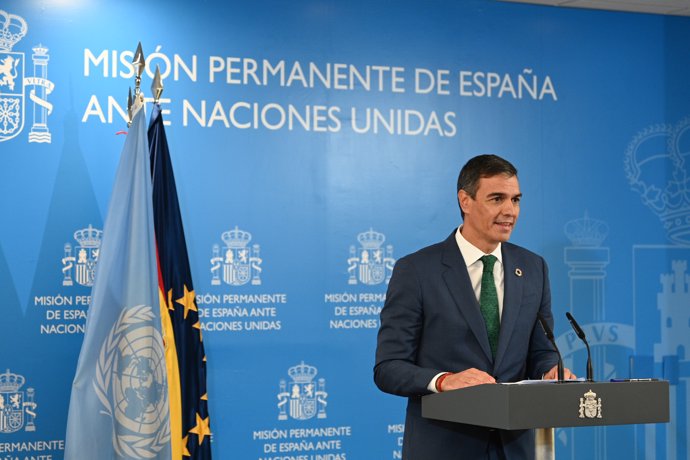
[[139, 380], [130, 382]]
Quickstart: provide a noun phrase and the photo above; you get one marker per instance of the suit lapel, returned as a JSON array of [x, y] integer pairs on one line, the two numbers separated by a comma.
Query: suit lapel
[[512, 301], [458, 282]]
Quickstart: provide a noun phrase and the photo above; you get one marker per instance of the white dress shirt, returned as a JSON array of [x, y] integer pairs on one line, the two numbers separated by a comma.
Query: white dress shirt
[[475, 267]]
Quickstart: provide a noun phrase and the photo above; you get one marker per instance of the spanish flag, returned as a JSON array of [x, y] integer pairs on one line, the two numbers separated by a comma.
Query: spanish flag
[[185, 357]]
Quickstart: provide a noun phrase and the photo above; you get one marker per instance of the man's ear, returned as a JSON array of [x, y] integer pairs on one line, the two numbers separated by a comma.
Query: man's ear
[[464, 199]]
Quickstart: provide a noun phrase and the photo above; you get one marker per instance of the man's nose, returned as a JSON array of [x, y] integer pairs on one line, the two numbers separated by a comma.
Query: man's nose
[[510, 207]]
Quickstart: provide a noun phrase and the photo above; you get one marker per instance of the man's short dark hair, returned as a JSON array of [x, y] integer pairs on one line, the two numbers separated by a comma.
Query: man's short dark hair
[[482, 166]]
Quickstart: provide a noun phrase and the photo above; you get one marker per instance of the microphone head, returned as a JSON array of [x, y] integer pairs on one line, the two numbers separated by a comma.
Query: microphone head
[[576, 327]]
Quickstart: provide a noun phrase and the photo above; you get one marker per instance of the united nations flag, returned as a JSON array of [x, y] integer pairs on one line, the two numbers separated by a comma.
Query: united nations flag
[[120, 406]]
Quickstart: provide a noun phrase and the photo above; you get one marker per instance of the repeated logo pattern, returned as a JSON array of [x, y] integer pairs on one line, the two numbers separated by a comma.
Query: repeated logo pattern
[[370, 263], [302, 398], [238, 263], [17, 408], [79, 263]]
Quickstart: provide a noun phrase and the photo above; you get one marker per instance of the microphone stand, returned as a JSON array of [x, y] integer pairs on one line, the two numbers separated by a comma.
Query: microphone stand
[[549, 335], [581, 334]]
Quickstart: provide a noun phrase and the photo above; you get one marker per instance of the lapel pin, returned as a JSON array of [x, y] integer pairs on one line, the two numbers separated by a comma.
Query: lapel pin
[[518, 272]]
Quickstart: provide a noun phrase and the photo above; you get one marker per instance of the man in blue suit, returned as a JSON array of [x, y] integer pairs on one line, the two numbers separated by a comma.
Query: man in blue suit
[[435, 336]]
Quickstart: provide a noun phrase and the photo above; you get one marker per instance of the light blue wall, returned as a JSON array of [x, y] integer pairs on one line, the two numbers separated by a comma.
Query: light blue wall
[[609, 121]]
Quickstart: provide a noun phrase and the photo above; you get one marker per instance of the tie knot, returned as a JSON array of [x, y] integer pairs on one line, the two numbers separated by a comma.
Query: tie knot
[[489, 261]]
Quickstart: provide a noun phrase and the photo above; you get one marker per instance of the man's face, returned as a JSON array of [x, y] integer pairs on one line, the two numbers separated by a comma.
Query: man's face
[[491, 215]]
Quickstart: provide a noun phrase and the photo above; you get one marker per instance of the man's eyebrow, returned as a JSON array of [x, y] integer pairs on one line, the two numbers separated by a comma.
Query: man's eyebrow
[[501, 194]]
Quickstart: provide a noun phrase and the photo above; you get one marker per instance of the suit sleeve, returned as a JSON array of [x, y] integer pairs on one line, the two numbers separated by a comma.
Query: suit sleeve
[[402, 322], [542, 356]]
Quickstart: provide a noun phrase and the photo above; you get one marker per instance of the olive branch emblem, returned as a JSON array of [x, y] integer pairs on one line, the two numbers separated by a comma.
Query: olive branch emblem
[[132, 444]]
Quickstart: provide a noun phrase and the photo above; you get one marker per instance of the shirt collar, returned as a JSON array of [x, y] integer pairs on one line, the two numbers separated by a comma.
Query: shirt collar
[[471, 253]]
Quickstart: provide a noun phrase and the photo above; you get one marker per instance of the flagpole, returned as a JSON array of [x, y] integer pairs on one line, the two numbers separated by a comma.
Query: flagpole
[[139, 63], [157, 86], [133, 103]]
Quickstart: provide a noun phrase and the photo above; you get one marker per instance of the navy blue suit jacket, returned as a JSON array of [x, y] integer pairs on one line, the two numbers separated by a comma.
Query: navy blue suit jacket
[[431, 323]]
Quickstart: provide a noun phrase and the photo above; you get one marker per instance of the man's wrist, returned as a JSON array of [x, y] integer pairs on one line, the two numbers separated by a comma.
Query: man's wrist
[[432, 383], [439, 381]]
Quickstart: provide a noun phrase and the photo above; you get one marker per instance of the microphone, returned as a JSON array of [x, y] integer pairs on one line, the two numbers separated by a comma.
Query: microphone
[[549, 335], [581, 334]]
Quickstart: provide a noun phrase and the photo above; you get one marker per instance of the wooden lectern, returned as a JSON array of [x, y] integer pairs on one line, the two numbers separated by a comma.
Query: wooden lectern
[[548, 405]]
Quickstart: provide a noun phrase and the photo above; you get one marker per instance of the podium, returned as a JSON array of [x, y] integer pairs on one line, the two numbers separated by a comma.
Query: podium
[[549, 405]]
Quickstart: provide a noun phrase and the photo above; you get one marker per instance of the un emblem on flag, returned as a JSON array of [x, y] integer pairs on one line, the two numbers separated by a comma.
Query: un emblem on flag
[[131, 384], [370, 263], [239, 263], [302, 397], [14, 404]]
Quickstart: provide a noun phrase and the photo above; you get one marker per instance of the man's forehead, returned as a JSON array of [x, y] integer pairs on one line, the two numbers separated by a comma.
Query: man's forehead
[[501, 184]]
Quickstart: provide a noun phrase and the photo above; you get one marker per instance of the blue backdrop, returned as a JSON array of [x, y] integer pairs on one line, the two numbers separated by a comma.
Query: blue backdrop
[[315, 143]]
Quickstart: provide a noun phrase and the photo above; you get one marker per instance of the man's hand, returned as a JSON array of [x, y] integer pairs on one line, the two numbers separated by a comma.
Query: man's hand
[[553, 374], [467, 378]]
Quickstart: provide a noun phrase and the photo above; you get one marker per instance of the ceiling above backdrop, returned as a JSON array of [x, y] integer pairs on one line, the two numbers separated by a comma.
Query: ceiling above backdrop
[[668, 7]]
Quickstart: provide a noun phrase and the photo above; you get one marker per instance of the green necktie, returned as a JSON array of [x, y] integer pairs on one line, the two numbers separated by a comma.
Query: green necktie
[[488, 302]]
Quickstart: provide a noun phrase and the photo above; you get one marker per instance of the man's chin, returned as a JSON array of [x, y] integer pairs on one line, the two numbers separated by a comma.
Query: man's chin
[[503, 235]]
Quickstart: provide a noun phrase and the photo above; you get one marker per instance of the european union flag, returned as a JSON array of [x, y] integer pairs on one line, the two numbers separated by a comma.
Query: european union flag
[[119, 406], [187, 365]]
